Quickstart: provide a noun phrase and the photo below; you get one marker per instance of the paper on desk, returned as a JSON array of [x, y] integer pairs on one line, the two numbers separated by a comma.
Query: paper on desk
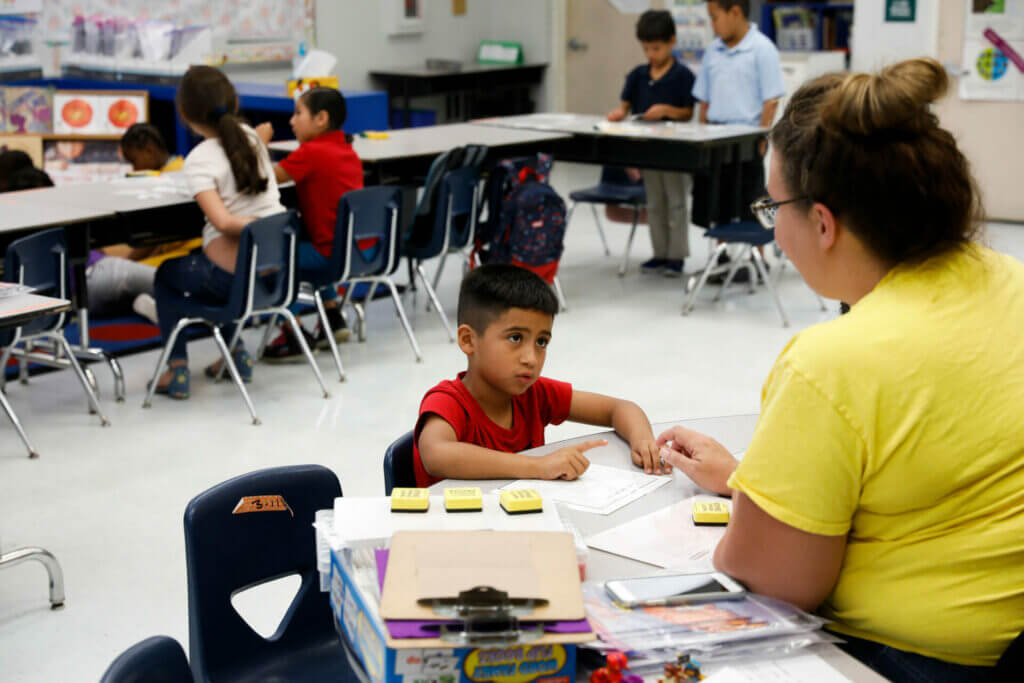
[[601, 490], [796, 669], [367, 519], [667, 538]]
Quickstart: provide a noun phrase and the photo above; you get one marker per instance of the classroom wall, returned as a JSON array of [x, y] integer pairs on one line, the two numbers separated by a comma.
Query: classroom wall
[[876, 42]]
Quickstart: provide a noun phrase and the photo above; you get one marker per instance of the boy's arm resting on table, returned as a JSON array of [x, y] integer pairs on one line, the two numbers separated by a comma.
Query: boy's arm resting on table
[[667, 111], [702, 117], [217, 213], [444, 456], [772, 558], [619, 112], [628, 421]]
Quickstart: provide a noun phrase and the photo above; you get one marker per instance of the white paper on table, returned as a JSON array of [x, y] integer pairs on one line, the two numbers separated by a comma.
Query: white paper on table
[[366, 519], [806, 668], [667, 538], [601, 490]]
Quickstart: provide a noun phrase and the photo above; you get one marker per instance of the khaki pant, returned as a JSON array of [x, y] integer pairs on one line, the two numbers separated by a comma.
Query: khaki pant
[[668, 213]]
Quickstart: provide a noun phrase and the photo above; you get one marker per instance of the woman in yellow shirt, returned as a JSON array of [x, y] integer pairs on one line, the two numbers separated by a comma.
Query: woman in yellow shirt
[[884, 484]]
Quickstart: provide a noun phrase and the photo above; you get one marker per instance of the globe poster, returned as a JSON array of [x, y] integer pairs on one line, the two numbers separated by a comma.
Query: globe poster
[[993, 56]]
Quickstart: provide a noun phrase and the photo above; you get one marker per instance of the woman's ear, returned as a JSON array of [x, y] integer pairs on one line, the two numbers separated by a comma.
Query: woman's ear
[[825, 225], [466, 336]]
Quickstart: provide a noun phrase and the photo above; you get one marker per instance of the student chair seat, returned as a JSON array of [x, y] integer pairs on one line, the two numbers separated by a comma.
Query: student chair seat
[[366, 250], [40, 261], [159, 659], [246, 531], [264, 284], [614, 189], [748, 235], [398, 468], [454, 231]]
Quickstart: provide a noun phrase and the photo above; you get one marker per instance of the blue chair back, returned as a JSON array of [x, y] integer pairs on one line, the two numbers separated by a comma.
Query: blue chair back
[[365, 234], [268, 280], [39, 261], [615, 175], [233, 542], [457, 204], [398, 466], [159, 659]]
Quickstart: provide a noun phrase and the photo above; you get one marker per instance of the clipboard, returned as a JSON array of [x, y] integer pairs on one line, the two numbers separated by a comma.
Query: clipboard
[[441, 564]]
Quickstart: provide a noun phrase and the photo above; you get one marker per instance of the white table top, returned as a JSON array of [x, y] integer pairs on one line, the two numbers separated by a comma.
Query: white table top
[[432, 140], [123, 195], [423, 71], [734, 432], [31, 305], [589, 124], [39, 209]]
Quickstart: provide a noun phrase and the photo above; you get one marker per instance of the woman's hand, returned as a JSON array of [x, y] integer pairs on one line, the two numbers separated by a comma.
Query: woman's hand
[[707, 462]]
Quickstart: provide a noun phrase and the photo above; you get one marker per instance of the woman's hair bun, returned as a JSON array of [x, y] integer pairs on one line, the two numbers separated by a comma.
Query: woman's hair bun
[[895, 100]]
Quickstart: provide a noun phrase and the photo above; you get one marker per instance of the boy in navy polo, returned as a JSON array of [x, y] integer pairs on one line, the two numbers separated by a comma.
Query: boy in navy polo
[[740, 81], [656, 91]]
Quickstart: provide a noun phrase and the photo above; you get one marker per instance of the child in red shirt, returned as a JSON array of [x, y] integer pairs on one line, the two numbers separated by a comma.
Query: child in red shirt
[[474, 426], [324, 167]]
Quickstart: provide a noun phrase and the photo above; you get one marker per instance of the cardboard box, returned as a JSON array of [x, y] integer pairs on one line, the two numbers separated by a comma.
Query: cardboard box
[[520, 663]]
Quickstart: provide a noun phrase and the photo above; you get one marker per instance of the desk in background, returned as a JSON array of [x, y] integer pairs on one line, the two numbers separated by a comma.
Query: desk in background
[[734, 432], [463, 88]]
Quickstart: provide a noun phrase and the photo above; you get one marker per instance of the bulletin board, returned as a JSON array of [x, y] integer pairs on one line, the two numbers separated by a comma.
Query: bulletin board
[[257, 30], [993, 52]]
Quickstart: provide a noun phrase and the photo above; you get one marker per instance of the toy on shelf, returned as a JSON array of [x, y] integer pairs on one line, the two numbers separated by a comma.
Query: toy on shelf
[[616, 664], [684, 670]]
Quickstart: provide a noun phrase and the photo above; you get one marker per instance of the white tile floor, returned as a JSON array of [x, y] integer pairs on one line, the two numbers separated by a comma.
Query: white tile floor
[[109, 502]]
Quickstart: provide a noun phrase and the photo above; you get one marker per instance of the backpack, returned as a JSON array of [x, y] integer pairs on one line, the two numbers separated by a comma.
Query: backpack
[[528, 226]]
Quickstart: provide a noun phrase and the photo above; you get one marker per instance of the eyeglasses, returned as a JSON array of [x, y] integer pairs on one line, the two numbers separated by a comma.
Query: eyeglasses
[[766, 210]]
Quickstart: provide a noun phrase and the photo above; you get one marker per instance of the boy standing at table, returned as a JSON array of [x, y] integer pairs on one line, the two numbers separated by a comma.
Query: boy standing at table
[[740, 82], [656, 91]]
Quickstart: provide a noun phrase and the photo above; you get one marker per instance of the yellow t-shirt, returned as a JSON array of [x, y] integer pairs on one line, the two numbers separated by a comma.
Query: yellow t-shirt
[[174, 163], [901, 424]]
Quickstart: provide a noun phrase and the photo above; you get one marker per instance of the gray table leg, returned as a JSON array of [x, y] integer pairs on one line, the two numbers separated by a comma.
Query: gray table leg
[[47, 559]]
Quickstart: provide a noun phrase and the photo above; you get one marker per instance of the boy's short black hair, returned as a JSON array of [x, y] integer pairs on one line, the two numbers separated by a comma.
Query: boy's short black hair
[[12, 161], [141, 135], [727, 5], [488, 291], [28, 179], [656, 24]]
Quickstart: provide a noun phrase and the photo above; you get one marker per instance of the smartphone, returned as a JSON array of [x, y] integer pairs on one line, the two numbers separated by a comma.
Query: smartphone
[[674, 589]]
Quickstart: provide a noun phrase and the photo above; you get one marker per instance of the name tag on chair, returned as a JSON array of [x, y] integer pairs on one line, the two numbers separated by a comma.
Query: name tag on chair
[[273, 503]]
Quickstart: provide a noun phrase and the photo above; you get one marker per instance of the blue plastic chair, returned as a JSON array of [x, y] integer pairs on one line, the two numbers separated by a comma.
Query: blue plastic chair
[[159, 659], [40, 261], [264, 284], [398, 464], [366, 250], [614, 189], [229, 549]]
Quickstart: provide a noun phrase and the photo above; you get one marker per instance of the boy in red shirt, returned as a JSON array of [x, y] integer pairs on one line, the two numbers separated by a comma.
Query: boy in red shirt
[[474, 426], [324, 167]]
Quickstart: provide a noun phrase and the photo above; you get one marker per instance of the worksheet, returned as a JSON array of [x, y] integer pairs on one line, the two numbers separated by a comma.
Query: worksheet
[[601, 490], [805, 668]]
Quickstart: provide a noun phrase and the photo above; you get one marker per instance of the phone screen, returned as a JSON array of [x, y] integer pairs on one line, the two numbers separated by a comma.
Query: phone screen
[[659, 587]]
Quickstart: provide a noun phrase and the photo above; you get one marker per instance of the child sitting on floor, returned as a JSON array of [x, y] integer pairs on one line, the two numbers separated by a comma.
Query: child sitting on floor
[[474, 426]]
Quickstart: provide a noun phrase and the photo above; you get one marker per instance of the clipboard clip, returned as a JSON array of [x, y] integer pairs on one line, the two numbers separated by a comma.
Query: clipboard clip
[[485, 615]]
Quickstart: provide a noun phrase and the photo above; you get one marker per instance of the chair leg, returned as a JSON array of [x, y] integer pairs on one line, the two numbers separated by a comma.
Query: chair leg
[[440, 269], [46, 558], [93, 401], [432, 295], [115, 370], [759, 264], [162, 363], [326, 326], [5, 358], [32, 453], [629, 245], [265, 340], [400, 310], [691, 301], [231, 347], [290, 317], [226, 353], [600, 229], [733, 269], [23, 371], [557, 284], [361, 317]]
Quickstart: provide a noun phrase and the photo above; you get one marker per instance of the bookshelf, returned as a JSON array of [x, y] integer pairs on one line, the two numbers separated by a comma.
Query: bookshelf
[[832, 23]]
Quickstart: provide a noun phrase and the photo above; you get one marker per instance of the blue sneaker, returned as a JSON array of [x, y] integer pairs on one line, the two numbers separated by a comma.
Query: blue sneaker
[[654, 265], [178, 387], [673, 269], [243, 363]]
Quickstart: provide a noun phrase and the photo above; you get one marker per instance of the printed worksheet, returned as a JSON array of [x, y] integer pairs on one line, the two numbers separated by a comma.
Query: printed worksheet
[[601, 490]]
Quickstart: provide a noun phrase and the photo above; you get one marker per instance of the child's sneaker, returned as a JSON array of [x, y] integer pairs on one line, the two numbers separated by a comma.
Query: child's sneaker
[[285, 348], [654, 265], [243, 363], [673, 269], [338, 326]]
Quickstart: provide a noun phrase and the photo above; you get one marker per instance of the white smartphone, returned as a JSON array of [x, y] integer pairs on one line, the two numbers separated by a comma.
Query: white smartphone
[[674, 589]]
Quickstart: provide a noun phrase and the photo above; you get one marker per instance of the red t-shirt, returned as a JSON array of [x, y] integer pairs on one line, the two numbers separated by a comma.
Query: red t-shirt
[[323, 169], [546, 402]]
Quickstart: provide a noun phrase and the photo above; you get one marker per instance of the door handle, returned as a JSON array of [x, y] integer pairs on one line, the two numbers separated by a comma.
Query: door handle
[[577, 46]]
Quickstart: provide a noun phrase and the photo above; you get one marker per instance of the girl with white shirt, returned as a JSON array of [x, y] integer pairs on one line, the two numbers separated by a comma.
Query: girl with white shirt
[[232, 179]]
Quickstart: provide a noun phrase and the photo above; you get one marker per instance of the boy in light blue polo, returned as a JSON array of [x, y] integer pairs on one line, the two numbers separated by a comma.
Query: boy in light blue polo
[[740, 81]]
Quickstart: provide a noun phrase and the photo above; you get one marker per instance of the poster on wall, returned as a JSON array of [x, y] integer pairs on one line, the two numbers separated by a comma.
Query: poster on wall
[[97, 113], [693, 28], [993, 56]]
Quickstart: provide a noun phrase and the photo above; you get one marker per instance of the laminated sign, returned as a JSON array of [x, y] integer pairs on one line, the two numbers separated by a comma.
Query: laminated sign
[[273, 503]]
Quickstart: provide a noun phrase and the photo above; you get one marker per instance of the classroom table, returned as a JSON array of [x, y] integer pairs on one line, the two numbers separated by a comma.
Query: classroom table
[[461, 85], [734, 432]]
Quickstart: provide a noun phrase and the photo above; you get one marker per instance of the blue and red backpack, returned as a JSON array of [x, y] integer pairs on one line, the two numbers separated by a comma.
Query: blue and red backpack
[[525, 225]]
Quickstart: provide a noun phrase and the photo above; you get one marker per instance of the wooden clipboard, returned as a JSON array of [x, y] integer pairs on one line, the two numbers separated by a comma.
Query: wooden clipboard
[[438, 564]]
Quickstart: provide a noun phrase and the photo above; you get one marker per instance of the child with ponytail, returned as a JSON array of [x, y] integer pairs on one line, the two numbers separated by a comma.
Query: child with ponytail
[[232, 179]]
